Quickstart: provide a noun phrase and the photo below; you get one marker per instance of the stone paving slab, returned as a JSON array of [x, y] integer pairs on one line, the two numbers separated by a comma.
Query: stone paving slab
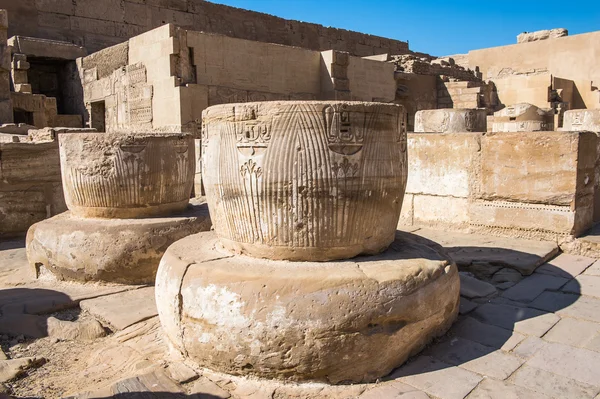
[[528, 289], [494, 389], [523, 320], [566, 265], [522, 255], [466, 306], [594, 344], [551, 384], [475, 357], [570, 305], [52, 296], [529, 347], [486, 334], [437, 378], [573, 332], [578, 364], [593, 270], [14, 269], [394, 389], [584, 285], [470, 287], [123, 309]]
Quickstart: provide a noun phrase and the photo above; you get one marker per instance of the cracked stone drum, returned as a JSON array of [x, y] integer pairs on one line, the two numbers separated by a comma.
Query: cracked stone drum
[[111, 175], [305, 180]]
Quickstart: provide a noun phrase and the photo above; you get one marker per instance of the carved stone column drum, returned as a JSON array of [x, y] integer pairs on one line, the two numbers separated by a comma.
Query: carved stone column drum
[[126, 176], [305, 180]]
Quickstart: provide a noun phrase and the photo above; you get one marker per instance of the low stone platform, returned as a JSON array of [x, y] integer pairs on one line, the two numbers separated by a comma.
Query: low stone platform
[[124, 251], [293, 320], [503, 345]]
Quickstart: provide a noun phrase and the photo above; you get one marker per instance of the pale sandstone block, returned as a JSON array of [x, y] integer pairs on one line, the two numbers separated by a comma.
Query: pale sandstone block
[[566, 266], [393, 389], [493, 389], [475, 357], [123, 309], [581, 120], [437, 211], [570, 305], [437, 378], [431, 171], [551, 384], [573, 332], [513, 168], [523, 320], [578, 364], [526, 219], [584, 285], [528, 347], [593, 270]]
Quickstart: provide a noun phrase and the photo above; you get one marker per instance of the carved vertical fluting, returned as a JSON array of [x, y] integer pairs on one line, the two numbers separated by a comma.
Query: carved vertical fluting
[[304, 176]]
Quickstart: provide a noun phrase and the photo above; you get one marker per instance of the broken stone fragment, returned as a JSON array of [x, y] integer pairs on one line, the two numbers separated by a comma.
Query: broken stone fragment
[[15, 368], [86, 330]]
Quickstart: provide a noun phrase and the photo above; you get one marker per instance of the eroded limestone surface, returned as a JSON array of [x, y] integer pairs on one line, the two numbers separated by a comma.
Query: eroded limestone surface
[[305, 180], [115, 250], [126, 175], [337, 321], [450, 120]]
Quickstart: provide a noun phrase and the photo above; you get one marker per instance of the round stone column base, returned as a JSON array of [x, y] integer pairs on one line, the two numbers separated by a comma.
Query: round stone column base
[[125, 251], [340, 321]]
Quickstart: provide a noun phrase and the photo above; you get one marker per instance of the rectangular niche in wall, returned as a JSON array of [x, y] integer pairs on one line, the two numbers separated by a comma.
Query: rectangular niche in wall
[[98, 116]]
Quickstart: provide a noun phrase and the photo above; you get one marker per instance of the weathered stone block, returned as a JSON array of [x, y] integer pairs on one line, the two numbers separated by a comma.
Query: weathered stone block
[[342, 206], [545, 34], [33, 46], [537, 167], [432, 171], [123, 176], [115, 250], [369, 308], [450, 120], [581, 120]]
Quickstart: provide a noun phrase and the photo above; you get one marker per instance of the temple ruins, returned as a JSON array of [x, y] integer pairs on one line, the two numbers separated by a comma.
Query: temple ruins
[[203, 201]]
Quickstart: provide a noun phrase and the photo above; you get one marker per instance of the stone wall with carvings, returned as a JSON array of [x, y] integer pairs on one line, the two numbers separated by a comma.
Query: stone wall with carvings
[[97, 24], [502, 183], [163, 79]]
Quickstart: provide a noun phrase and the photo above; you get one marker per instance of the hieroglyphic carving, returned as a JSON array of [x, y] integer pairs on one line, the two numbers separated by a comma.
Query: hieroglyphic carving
[[117, 175], [306, 176], [344, 136]]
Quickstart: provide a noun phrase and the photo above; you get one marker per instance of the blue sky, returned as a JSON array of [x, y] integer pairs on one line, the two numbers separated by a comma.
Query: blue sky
[[438, 27]]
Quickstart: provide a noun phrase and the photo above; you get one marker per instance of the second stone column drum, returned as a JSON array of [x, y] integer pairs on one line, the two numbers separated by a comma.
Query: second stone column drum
[[305, 180], [111, 175]]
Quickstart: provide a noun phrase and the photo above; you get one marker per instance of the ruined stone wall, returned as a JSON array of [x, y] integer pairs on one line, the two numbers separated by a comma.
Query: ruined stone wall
[[30, 185], [6, 110], [502, 183], [416, 93], [520, 66], [97, 24], [167, 76]]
